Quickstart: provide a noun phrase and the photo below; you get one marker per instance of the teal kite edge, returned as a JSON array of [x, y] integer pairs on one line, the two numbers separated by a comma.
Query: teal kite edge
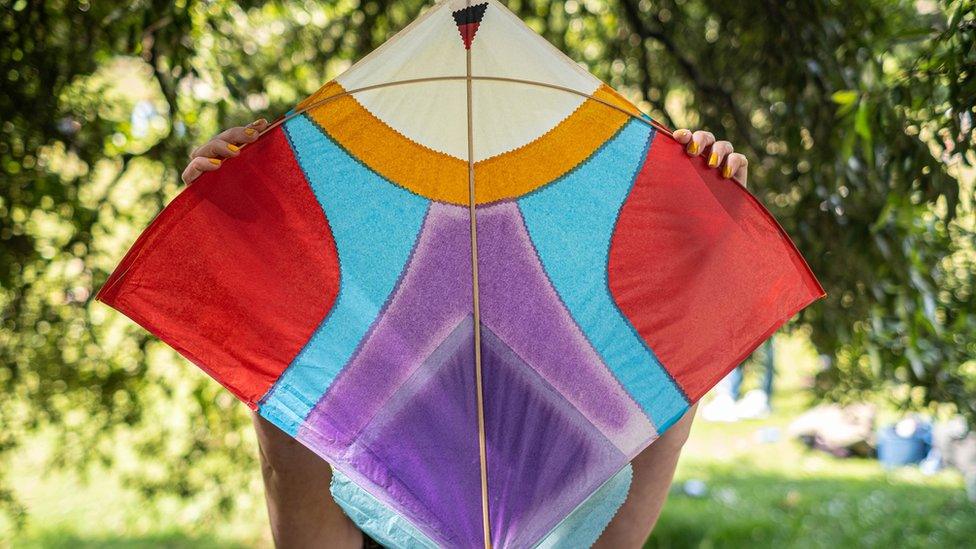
[[581, 528]]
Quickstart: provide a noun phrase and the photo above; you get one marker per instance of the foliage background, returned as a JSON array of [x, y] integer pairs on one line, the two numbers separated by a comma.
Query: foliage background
[[857, 116]]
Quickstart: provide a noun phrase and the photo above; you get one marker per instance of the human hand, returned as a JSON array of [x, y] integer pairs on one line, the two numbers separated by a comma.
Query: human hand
[[720, 154], [209, 156]]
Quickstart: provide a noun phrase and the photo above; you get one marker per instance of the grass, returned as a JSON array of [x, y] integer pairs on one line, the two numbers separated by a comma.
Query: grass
[[779, 494], [55, 539], [762, 494], [759, 494]]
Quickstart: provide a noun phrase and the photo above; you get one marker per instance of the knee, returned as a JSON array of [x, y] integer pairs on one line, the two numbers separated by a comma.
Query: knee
[[678, 434]]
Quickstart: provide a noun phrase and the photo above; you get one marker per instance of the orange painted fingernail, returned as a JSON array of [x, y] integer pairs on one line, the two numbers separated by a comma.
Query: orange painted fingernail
[[693, 147], [250, 131], [727, 172], [233, 148], [713, 160], [214, 161]]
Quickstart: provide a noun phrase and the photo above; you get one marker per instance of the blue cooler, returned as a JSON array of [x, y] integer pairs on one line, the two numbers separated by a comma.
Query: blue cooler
[[898, 447]]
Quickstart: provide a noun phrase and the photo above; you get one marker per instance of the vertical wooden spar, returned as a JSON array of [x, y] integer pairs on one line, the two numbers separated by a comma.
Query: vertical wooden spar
[[476, 302]]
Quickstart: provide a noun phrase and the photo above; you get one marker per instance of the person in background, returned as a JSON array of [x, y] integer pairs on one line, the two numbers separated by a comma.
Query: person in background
[[727, 405]]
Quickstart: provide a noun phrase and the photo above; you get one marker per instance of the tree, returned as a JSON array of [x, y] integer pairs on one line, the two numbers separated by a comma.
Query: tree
[[861, 116], [858, 117]]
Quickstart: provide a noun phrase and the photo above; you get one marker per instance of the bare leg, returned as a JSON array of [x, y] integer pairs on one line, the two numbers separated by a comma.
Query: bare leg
[[296, 484], [653, 473]]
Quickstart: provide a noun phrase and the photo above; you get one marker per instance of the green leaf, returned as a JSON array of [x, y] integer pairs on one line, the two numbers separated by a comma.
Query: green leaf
[[844, 97], [862, 121]]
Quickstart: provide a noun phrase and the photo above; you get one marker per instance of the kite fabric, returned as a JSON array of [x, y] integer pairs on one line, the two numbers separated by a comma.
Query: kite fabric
[[326, 276]]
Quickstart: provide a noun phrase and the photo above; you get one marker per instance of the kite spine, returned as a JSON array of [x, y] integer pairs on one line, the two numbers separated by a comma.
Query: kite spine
[[480, 399]]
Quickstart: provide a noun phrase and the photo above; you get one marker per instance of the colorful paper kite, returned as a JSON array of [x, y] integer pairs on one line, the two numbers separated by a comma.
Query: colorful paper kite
[[325, 277]]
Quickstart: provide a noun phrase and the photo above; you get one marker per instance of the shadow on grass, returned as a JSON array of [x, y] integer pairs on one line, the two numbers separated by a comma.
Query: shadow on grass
[[746, 508]]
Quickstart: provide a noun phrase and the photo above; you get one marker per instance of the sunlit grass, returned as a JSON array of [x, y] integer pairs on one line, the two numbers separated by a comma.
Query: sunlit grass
[[778, 494], [759, 495]]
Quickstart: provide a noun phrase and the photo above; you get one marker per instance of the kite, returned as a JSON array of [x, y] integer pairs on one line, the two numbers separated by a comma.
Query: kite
[[472, 277]]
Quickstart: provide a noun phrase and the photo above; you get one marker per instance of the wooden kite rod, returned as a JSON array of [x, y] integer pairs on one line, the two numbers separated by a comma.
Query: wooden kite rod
[[650, 122], [468, 78], [476, 303]]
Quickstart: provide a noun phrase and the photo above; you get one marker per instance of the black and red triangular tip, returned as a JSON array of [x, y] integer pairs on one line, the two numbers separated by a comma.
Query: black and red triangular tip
[[468, 20]]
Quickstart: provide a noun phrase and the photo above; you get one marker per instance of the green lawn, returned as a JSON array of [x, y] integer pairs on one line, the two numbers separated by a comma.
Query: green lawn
[[759, 495], [778, 494]]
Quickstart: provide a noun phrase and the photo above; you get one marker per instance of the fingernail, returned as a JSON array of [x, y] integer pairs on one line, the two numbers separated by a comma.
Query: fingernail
[[693, 147], [215, 161], [713, 160], [727, 172], [250, 131], [233, 148]]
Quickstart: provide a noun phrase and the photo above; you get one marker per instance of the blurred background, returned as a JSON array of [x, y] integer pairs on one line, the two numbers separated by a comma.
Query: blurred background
[[857, 116]]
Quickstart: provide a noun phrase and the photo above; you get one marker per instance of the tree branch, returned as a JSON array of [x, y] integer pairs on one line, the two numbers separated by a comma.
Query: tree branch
[[704, 86]]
